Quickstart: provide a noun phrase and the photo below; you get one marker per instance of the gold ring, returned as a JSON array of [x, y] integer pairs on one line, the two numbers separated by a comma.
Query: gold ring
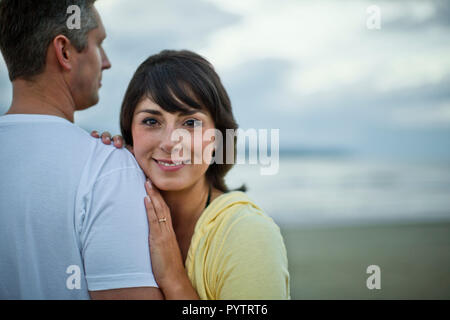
[[162, 220]]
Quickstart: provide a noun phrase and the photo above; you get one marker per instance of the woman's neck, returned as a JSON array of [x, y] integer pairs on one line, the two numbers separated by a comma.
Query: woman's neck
[[186, 205]]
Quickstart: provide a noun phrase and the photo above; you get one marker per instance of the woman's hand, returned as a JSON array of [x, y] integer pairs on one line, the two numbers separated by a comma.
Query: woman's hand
[[167, 263], [117, 140], [106, 138]]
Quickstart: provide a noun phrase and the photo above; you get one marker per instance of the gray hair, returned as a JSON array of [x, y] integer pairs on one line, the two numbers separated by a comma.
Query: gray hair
[[27, 28]]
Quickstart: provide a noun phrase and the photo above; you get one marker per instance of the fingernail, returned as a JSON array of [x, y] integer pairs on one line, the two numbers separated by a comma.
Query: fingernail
[[148, 199]]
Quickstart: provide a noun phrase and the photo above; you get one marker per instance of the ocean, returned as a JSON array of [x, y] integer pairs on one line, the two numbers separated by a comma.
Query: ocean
[[340, 215], [348, 190]]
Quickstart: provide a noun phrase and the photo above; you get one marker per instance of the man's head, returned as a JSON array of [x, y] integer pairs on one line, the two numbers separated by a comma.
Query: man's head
[[35, 38]]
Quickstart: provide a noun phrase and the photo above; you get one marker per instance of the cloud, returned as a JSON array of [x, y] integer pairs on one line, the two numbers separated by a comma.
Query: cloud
[[310, 68], [420, 15], [180, 22], [256, 90], [328, 45], [137, 29], [313, 70], [423, 117]]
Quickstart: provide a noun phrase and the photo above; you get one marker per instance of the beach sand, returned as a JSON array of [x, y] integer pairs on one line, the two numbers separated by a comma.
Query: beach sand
[[331, 263]]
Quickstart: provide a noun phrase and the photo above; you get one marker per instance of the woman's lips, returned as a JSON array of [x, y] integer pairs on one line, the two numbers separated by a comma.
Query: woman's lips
[[170, 165]]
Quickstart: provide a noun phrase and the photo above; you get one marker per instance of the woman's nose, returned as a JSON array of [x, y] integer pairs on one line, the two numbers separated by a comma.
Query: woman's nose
[[170, 142]]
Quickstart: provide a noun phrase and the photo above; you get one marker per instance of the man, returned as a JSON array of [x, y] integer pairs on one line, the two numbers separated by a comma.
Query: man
[[72, 216]]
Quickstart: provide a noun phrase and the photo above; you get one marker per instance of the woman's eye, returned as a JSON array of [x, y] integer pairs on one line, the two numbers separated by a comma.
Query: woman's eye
[[193, 123], [150, 122]]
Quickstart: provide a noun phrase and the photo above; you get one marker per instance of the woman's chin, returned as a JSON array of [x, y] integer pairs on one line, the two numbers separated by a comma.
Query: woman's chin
[[165, 185]]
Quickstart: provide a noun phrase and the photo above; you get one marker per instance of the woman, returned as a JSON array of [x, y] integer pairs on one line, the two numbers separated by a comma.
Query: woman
[[206, 241]]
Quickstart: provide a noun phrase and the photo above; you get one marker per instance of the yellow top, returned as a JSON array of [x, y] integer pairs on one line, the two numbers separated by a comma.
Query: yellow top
[[237, 252]]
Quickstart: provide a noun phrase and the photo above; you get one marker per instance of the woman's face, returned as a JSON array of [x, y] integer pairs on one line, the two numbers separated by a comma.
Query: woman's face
[[171, 164]]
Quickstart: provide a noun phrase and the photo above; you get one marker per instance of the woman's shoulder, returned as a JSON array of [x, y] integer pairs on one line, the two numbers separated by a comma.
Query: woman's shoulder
[[246, 235], [244, 250], [233, 218], [248, 224], [238, 214]]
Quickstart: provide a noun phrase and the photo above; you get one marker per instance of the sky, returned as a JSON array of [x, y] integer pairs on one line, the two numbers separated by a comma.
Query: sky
[[313, 69]]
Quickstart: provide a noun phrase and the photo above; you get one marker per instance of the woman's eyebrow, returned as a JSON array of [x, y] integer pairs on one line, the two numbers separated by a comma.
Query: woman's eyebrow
[[184, 113], [155, 112], [191, 112]]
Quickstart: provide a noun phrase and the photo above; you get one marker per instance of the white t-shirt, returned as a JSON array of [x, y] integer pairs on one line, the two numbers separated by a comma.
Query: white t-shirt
[[72, 214]]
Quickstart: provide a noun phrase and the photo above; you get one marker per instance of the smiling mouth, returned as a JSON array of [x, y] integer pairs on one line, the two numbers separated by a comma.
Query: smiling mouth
[[170, 163]]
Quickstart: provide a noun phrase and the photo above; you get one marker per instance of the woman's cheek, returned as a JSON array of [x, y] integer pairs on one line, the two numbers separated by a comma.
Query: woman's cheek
[[208, 149], [141, 159], [197, 150]]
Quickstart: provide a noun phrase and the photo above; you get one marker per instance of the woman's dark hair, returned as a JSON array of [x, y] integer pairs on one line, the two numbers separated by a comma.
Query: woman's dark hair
[[174, 80]]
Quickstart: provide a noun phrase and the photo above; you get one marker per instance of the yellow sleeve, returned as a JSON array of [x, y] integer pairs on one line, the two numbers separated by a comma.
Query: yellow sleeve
[[253, 260]]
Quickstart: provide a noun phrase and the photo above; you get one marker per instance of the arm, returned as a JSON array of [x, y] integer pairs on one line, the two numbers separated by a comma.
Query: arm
[[114, 235], [166, 258], [167, 263], [142, 293]]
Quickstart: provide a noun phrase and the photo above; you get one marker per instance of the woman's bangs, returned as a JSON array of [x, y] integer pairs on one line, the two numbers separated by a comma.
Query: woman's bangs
[[171, 92]]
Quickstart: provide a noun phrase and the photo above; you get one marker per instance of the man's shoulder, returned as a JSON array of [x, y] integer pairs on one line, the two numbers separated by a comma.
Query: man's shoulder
[[112, 157], [110, 170], [104, 160]]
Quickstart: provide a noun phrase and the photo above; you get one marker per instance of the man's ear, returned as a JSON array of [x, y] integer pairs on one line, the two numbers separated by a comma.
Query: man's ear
[[63, 50]]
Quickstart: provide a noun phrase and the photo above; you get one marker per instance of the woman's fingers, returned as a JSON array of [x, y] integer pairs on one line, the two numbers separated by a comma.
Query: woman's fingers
[[95, 134], [167, 263], [106, 137], [161, 208], [118, 141], [152, 218], [157, 208]]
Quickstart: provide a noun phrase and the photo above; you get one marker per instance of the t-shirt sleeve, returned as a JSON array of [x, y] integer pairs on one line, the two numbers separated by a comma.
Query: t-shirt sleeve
[[253, 261], [114, 235]]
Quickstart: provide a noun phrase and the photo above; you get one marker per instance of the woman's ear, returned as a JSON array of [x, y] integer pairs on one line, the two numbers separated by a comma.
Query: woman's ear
[[62, 47]]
